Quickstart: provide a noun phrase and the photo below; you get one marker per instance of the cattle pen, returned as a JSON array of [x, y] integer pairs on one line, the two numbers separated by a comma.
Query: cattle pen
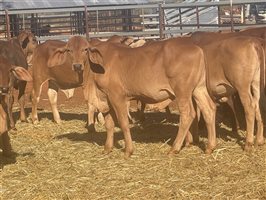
[[144, 20], [66, 160]]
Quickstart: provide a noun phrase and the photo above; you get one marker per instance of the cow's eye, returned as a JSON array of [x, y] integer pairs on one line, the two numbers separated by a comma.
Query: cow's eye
[[68, 50]]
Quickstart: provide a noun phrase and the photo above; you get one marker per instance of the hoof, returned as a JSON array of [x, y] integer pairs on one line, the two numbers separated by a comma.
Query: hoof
[[24, 120], [248, 147], [188, 144], [128, 155], [14, 129], [58, 121], [106, 151], [35, 121], [208, 151], [91, 128], [172, 152], [259, 143], [8, 153]]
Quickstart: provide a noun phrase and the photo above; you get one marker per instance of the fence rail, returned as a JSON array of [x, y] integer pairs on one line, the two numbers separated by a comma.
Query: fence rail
[[146, 21]]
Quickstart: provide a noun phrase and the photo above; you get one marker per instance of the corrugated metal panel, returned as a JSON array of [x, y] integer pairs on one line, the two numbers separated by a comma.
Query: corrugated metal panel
[[36, 4]]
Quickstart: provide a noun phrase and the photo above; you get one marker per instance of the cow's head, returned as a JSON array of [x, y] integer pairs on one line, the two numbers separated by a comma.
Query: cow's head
[[28, 42], [75, 50], [8, 73]]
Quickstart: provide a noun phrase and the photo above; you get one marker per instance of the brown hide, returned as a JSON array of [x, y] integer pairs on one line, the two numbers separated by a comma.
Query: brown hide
[[7, 77], [259, 32], [16, 51], [152, 73], [236, 63], [53, 60]]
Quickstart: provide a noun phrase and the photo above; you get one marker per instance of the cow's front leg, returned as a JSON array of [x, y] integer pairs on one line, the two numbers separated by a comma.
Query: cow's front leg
[[10, 102], [91, 118], [52, 95], [120, 107], [109, 125], [21, 100], [5, 141]]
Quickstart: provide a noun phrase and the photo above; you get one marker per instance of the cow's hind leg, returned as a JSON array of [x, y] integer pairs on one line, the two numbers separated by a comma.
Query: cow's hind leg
[[249, 108], [187, 115], [259, 99], [36, 92], [208, 109]]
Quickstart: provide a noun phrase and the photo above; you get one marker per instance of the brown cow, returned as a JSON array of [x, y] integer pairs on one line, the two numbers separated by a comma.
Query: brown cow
[[8, 76], [236, 64], [16, 51], [205, 38], [163, 70], [259, 32], [151, 73], [62, 76], [65, 75]]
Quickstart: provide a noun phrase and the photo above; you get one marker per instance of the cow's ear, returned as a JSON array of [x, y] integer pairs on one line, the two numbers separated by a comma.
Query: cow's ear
[[127, 40], [21, 74], [25, 43], [58, 57], [95, 56]]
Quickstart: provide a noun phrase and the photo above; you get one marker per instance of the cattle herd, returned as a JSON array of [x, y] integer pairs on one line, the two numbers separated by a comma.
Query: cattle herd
[[199, 71]]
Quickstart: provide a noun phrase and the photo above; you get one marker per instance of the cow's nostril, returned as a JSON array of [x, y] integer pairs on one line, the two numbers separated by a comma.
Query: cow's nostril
[[4, 90], [77, 67]]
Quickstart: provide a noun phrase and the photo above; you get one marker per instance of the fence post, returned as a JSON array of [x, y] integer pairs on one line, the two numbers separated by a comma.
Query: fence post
[[7, 24], [219, 16], [86, 23], [180, 19], [197, 14], [161, 21], [231, 15]]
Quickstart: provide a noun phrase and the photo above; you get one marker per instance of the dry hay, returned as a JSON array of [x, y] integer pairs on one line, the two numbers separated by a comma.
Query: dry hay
[[66, 162]]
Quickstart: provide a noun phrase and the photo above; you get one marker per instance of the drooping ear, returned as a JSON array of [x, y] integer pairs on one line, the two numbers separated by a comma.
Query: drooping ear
[[25, 43], [21, 74], [95, 56], [58, 57], [127, 41]]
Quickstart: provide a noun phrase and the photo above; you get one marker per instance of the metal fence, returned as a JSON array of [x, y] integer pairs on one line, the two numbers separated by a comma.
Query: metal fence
[[147, 21]]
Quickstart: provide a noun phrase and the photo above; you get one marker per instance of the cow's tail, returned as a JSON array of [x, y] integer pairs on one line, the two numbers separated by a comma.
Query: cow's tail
[[261, 50], [207, 76]]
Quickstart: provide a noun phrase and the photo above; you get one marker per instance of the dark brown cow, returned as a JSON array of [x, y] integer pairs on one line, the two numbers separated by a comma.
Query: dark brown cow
[[8, 76], [163, 70], [236, 64], [16, 51]]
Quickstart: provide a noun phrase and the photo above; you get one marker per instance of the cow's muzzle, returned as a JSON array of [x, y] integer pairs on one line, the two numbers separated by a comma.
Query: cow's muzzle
[[4, 90], [77, 67]]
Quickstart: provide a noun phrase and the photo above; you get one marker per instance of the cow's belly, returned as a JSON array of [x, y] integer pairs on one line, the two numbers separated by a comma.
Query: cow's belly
[[222, 89], [155, 95]]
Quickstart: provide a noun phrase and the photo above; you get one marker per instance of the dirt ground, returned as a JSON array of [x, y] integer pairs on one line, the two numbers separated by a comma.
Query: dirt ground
[[66, 162]]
